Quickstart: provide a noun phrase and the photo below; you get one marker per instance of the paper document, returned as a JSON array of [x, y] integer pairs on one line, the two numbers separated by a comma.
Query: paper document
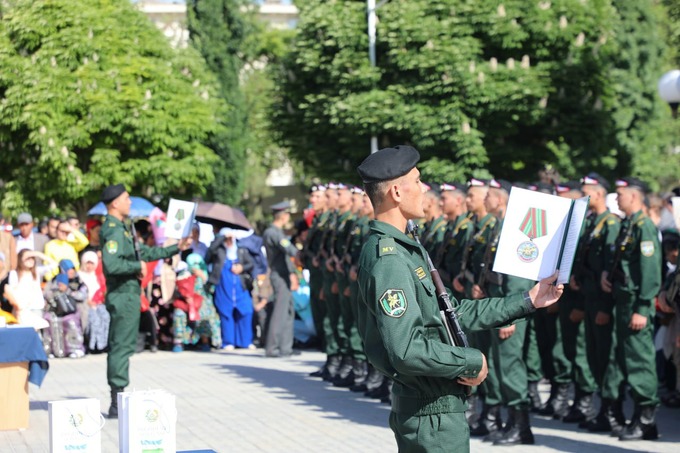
[[540, 234], [180, 219]]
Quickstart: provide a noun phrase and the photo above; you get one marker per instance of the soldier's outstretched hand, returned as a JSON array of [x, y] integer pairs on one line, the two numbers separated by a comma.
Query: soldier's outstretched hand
[[184, 243], [545, 292]]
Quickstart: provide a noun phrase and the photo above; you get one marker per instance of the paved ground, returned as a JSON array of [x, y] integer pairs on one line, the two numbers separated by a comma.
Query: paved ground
[[242, 402]]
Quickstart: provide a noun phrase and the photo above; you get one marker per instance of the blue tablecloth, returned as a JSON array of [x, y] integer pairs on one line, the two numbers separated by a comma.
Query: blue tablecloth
[[22, 344]]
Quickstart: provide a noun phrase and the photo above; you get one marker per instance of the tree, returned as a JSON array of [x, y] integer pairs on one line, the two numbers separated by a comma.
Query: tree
[[93, 94], [223, 31], [477, 86]]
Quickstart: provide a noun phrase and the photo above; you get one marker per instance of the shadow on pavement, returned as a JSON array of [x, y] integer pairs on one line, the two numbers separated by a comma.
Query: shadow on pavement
[[332, 402]]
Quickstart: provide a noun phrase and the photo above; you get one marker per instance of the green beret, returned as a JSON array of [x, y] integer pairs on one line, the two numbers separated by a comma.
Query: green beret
[[388, 164], [112, 192]]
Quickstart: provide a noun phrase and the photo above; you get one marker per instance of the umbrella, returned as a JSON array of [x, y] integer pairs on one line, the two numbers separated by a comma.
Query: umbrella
[[222, 215], [141, 207]]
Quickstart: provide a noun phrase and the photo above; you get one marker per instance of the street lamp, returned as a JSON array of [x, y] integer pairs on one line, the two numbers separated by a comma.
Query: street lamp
[[669, 89], [371, 8]]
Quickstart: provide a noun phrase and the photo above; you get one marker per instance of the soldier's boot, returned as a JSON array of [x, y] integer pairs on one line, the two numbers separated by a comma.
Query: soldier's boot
[[582, 410], [534, 397], [494, 435], [113, 409], [561, 402], [489, 422], [332, 367], [387, 399], [520, 431], [616, 418], [548, 408], [642, 426], [369, 382], [357, 373], [380, 392], [600, 424], [320, 371], [345, 371], [141, 342], [472, 414]]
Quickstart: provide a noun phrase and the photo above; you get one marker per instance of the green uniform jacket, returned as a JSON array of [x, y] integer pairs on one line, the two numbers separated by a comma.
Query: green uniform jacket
[[314, 236], [461, 230], [121, 267], [404, 336], [434, 235], [640, 263]]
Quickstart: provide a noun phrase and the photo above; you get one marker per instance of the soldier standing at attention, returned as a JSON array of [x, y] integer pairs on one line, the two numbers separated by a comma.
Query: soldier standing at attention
[[123, 270], [284, 280], [635, 284], [399, 318]]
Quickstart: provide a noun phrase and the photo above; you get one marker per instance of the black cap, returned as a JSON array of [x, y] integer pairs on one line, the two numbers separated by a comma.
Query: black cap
[[569, 186], [633, 183], [433, 187], [112, 192], [452, 186], [477, 182], [595, 179], [500, 184], [317, 188], [282, 206], [388, 164]]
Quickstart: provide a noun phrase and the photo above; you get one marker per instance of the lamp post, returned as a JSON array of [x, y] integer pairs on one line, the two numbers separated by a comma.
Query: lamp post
[[669, 89], [371, 8]]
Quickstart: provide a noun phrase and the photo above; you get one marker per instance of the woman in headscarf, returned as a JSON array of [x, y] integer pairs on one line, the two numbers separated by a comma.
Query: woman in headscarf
[[208, 326], [232, 295]]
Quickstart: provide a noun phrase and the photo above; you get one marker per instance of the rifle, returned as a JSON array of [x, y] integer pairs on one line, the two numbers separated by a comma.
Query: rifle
[[441, 252], [485, 272], [615, 273], [455, 332], [464, 273], [321, 253]]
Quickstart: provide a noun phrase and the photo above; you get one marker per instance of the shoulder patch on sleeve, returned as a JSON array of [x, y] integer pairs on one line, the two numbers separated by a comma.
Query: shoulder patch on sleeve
[[387, 246], [112, 247], [647, 248], [284, 242], [393, 302]]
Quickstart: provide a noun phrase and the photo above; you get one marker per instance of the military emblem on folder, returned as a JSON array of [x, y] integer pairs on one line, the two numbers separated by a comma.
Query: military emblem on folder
[[534, 226]]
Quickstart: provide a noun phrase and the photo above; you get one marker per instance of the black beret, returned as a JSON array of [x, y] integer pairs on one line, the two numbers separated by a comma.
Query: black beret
[[569, 186], [112, 192], [282, 206], [317, 188], [453, 186], [388, 164], [500, 184], [595, 179], [477, 182], [433, 187], [633, 183]]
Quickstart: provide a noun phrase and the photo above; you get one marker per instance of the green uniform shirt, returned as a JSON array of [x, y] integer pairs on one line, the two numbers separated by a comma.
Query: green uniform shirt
[[121, 266], [640, 263], [403, 333], [314, 236], [434, 235], [484, 232]]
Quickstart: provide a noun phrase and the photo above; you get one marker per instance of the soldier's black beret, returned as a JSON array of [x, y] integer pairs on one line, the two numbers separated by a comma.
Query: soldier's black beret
[[452, 186], [477, 182], [568, 186], [388, 164], [317, 188], [501, 184], [595, 179], [112, 192], [633, 183]]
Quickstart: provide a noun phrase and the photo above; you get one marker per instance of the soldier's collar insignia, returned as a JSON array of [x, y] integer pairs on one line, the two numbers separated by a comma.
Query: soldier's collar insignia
[[420, 272], [112, 247], [393, 302]]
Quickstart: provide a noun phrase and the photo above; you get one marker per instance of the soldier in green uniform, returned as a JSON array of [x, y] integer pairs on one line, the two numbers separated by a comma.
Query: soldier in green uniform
[[123, 267], [635, 282], [507, 342], [399, 318], [458, 231], [600, 232], [435, 225]]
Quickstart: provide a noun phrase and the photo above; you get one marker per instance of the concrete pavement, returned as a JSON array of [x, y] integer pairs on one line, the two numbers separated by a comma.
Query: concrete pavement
[[243, 402]]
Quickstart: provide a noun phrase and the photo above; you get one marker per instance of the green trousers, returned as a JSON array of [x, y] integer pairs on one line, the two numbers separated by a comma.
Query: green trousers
[[532, 358], [123, 330], [556, 367], [347, 323], [598, 339], [316, 304], [443, 433], [490, 389], [355, 341], [509, 366], [574, 344], [336, 339]]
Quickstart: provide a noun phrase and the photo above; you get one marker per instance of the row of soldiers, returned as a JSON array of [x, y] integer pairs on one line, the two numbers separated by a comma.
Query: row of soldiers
[[598, 338]]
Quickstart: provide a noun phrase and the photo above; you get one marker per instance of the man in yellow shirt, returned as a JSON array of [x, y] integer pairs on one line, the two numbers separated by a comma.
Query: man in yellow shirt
[[66, 246]]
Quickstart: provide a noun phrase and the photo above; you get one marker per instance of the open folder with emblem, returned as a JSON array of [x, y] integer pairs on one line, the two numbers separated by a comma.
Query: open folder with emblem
[[540, 234], [180, 219]]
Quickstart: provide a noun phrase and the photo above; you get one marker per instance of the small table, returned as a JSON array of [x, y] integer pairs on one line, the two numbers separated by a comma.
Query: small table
[[22, 360]]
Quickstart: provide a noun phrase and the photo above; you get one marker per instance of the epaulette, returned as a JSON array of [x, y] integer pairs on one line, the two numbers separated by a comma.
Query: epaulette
[[387, 246]]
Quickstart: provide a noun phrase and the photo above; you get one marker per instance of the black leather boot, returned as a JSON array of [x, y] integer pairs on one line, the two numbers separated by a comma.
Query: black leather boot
[[472, 414], [113, 409], [489, 422], [616, 419], [600, 424], [643, 425], [582, 410], [332, 366], [344, 372], [520, 431], [357, 373], [320, 371], [561, 402], [372, 380], [494, 435], [548, 408], [380, 392], [534, 397]]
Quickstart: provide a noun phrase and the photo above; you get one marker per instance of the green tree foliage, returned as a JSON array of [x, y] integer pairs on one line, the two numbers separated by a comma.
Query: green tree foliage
[[224, 32], [92, 94], [476, 85]]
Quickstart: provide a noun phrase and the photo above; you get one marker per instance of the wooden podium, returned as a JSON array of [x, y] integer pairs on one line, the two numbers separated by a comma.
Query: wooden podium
[[14, 395]]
